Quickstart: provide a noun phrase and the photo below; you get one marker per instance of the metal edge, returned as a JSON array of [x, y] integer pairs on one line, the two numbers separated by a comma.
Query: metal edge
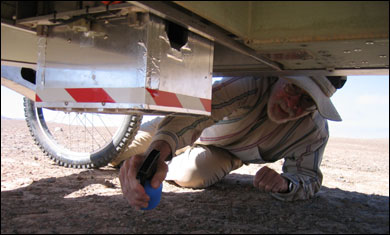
[[211, 32], [19, 64], [336, 72]]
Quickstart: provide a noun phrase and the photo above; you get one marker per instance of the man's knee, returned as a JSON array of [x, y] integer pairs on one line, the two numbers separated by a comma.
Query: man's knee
[[195, 183], [202, 166]]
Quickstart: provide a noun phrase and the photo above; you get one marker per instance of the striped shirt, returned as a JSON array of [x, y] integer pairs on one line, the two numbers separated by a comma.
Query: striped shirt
[[239, 123]]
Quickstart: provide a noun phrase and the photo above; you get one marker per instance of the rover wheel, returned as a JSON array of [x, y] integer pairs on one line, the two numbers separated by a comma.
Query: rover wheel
[[80, 140]]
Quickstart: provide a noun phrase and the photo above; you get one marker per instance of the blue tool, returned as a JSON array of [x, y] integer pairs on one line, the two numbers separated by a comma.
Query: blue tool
[[145, 175]]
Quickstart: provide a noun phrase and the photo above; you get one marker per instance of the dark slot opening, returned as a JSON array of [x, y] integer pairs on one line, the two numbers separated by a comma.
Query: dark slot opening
[[177, 35], [28, 74]]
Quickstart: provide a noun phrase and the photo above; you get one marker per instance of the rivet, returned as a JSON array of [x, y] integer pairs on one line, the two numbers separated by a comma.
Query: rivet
[[69, 40], [93, 76], [364, 62], [103, 103], [357, 50], [105, 37], [383, 56], [369, 43], [66, 103], [347, 51]]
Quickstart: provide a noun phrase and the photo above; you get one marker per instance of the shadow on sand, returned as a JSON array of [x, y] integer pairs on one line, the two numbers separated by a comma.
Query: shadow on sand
[[231, 206]]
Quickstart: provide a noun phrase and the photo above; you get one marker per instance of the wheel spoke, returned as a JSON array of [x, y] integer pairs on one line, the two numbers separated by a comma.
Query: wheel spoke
[[87, 135]]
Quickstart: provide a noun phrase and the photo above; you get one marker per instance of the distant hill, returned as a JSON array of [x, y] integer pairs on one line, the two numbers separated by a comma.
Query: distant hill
[[8, 118]]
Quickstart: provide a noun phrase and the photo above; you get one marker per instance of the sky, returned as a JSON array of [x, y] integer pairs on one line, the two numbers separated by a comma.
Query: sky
[[363, 104]]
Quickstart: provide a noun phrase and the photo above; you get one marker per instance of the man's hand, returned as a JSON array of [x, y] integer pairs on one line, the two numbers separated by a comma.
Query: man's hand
[[268, 180], [132, 190]]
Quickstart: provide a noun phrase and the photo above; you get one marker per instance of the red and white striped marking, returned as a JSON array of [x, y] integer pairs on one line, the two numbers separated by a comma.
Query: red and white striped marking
[[123, 95]]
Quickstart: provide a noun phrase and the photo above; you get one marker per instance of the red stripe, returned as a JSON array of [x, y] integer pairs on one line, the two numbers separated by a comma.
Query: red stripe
[[89, 95], [37, 98], [206, 104], [165, 98]]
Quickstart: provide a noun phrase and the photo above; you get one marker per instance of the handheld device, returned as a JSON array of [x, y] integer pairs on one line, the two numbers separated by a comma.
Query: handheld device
[[145, 175]]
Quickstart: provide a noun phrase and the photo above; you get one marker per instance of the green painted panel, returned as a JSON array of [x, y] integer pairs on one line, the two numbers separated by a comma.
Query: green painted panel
[[282, 21], [18, 45], [234, 16], [306, 34], [265, 22]]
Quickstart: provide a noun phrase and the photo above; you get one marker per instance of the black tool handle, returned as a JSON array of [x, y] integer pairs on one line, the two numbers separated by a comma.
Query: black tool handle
[[149, 167]]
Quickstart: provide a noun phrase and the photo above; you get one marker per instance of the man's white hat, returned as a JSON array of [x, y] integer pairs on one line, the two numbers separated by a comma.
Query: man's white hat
[[320, 88]]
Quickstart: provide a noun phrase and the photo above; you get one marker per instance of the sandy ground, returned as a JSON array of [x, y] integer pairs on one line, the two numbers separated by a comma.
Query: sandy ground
[[38, 196]]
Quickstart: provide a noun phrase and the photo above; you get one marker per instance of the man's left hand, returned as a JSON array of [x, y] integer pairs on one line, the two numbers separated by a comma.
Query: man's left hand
[[268, 180]]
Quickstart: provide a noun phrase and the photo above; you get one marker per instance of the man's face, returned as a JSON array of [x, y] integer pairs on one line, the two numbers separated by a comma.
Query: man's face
[[288, 102]]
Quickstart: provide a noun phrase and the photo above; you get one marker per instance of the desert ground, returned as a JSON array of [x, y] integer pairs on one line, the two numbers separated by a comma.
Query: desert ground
[[38, 196]]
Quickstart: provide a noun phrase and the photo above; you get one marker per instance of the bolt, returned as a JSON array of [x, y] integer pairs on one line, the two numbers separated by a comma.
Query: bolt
[[103, 103], [105, 37], [369, 43], [347, 52], [383, 56], [357, 50], [66, 103], [69, 40]]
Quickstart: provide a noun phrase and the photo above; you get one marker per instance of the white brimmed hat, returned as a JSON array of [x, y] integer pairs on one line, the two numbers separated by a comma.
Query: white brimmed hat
[[320, 88]]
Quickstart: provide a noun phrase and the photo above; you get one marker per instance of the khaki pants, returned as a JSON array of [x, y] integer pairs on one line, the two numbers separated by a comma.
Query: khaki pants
[[201, 166], [194, 167]]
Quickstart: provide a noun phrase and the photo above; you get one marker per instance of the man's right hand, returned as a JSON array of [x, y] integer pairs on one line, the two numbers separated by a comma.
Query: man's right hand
[[131, 188]]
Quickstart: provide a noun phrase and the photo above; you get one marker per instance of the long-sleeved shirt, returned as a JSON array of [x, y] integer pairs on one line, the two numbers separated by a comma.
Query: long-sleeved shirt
[[240, 124]]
